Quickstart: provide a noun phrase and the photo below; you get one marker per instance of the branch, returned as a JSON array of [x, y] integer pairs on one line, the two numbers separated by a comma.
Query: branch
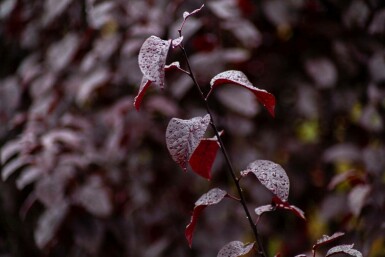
[[224, 152]]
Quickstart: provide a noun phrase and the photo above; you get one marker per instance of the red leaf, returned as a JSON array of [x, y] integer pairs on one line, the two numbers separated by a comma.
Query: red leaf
[[212, 197], [286, 206], [184, 136], [239, 78], [203, 157], [143, 88], [235, 249], [272, 176], [326, 239], [152, 59], [348, 249]]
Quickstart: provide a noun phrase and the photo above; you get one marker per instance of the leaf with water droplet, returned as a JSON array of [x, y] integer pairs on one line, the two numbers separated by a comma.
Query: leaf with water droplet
[[143, 88], [176, 42], [235, 249], [348, 249], [264, 208], [272, 176], [203, 157], [212, 197], [326, 239], [239, 78], [278, 203], [184, 136], [152, 59]]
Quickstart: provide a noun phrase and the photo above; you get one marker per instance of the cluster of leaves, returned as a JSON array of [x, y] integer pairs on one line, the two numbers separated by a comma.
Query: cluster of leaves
[[68, 78]]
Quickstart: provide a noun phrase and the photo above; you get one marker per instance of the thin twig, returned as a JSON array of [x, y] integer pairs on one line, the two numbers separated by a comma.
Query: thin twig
[[228, 162]]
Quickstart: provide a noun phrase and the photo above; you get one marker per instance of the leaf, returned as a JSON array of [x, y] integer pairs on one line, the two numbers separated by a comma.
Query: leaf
[[357, 198], [348, 249], [235, 249], [186, 15], [326, 239], [13, 166], [240, 79], [143, 88], [272, 176], [176, 42], [152, 59], [286, 206], [93, 196], [49, 222], [29, 175], [9, 150], [212, 197], [184, 136], [264, 208], [203, 157]]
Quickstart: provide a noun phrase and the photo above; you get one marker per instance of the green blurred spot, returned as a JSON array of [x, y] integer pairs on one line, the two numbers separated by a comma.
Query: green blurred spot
[[356, 112], [274, 245], [308, 131]]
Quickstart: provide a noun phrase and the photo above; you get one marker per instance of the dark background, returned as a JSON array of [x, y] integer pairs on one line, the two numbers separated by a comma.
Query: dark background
[[84, 174]]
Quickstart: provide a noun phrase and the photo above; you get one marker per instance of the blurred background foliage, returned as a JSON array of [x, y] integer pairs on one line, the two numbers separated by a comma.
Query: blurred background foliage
[[83, 174]]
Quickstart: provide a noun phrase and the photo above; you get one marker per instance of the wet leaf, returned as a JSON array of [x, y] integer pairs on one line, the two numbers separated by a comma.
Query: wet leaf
[[142, 90], [278, 203], [184, 136], [212, 197], [327, 239], [272, 176], [262, 209], [348, 249], [240, 79], [152, 59], [176, 42], [235, 249], [203, 157]]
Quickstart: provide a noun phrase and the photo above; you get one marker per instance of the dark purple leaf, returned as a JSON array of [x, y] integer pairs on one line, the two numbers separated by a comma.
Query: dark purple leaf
[[94, 197], [28, 176], [203, 157], [326, 239], [358, 198], [272, 176], [235, 249], [9, 150], [240, 79], [14, 165], [87, 88], [348, 249], [53, 8], [212, 197], [184, 136], [60, 54], [49, 222], [152, 59], [286, 206], [143, 88], [188, 14]]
